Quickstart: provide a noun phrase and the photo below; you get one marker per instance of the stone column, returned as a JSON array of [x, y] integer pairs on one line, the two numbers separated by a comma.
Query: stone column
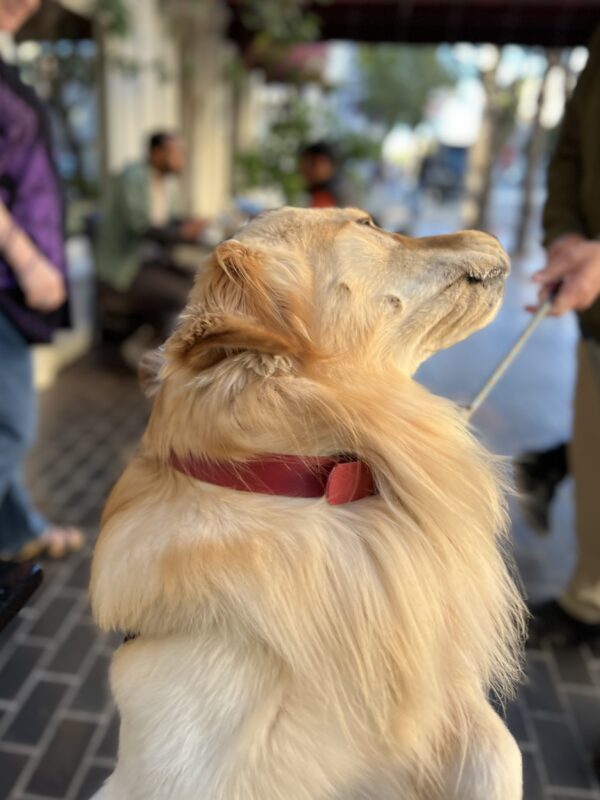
[[248, 110], [141, 80], [206, 98]]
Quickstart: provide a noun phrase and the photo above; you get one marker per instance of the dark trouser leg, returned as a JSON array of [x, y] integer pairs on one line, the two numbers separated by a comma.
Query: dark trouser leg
[[162, 292], [582, 598]]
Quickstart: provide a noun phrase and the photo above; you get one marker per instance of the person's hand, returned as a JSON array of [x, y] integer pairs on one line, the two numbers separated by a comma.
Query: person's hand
[[574, 262], [191, 229], [44, 288]]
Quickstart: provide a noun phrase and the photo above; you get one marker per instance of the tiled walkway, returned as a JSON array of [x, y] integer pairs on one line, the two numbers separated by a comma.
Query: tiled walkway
[[57, 728], [58, 732]]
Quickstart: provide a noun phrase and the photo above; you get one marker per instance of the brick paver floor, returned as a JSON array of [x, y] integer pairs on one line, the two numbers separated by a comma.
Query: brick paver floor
[[58, 730]]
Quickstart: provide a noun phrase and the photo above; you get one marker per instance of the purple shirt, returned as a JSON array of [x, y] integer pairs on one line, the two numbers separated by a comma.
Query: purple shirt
[[29, 185]]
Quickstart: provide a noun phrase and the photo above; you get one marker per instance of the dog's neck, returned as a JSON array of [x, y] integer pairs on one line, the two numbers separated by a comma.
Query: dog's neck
[[340, 479]]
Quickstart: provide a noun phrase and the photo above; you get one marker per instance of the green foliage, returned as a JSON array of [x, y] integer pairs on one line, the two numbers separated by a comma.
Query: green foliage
[[279, 22], [506, 103], [113, 17], [276, 27], [397, 80], [274, 163], [353, 146]]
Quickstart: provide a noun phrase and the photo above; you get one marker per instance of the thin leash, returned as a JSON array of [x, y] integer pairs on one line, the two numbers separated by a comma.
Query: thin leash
[[508, 359]]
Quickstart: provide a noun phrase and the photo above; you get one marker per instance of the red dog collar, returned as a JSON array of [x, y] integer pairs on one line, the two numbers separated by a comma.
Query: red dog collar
[[338, 478]]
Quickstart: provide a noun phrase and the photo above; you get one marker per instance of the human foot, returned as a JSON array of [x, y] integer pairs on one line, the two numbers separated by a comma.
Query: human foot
[[55, 543]]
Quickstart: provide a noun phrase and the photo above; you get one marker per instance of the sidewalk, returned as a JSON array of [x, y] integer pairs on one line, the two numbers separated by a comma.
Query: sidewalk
[[58, 732]]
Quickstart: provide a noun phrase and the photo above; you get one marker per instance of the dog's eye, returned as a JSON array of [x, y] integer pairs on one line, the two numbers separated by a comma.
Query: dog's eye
[[365, 221]]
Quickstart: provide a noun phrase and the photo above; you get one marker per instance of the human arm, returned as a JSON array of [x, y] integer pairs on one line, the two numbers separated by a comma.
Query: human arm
[[135, 208], [573, 258], [176, 232], [563, 213], [40, 280], [31, 209]]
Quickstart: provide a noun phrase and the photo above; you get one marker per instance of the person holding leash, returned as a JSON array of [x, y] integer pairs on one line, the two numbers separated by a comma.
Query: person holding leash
[[572, 238]]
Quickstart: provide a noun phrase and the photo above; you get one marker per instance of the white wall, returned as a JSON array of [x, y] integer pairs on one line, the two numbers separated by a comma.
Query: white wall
[[146, 97], [207, 105]]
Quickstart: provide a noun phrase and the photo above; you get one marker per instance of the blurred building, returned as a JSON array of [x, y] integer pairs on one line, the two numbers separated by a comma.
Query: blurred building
[[179, 80], [168, 64], [159, 64], [164, 64]]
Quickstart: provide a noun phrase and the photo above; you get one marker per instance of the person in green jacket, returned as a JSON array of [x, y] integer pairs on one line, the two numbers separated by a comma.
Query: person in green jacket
[[572, 239], [140, 222]]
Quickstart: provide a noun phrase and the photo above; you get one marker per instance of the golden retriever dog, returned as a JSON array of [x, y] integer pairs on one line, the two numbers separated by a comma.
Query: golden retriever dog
[[298, 647]]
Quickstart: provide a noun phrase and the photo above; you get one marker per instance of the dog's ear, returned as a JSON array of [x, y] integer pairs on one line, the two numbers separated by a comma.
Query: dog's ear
[[201, 331], [239, 304]]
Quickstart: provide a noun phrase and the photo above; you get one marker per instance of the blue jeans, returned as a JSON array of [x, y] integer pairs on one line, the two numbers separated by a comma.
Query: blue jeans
[[19, 521]]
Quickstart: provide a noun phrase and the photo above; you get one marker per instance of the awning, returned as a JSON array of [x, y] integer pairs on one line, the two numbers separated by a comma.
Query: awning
[[550, 23]]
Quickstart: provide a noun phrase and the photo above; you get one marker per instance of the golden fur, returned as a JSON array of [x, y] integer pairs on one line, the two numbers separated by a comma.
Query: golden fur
[[335, 652]]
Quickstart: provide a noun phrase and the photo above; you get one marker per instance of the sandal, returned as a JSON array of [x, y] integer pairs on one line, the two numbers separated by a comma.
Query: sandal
[[54, 543]]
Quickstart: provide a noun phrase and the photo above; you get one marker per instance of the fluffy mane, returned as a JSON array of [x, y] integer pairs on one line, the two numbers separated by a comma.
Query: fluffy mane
[[396, 609]]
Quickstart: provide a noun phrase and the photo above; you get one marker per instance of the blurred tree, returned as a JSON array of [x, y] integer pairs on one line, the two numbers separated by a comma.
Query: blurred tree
[[535, 147], [396, 82], [274, 163], [112, 16], [497, 124], [279, 24], [276, 27]]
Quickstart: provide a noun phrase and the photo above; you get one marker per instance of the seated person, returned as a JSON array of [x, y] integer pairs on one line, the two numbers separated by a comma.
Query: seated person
[[320, 172], [140, 223]]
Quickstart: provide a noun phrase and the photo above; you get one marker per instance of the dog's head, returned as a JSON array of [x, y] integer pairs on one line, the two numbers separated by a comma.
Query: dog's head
[[299, 285]]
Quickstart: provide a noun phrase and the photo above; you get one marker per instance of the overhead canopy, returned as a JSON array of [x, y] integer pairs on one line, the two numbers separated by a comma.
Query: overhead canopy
[[550, 23]]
